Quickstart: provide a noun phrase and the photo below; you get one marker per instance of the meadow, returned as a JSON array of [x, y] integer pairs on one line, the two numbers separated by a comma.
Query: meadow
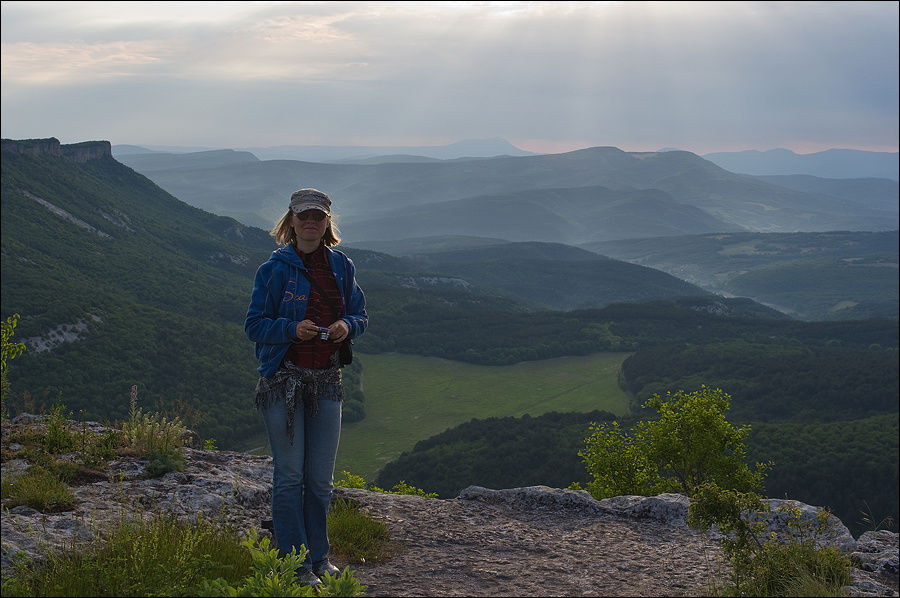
[[411, 398]]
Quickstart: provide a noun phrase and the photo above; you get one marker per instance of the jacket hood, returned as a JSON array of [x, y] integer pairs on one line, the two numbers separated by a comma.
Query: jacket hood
[[288, 255]]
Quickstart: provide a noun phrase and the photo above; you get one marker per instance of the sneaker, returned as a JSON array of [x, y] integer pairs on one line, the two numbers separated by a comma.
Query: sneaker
[[326, 567], [306, 577]]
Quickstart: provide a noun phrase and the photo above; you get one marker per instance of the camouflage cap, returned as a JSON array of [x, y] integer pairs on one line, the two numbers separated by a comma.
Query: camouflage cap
[[310, 199]]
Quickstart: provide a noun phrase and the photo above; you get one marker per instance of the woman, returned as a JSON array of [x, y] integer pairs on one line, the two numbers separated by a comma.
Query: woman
[[305, 304]]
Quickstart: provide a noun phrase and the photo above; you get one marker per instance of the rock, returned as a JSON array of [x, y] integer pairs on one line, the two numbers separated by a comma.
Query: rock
[[793, 520], [668, 508], [877, 572], [535, 497]]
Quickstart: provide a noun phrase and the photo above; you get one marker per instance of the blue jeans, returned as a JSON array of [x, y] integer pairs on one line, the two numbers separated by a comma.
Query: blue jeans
[[303, 476]]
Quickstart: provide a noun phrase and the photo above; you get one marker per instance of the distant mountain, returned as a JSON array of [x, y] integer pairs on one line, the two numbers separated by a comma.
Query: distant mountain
[[162, 161], [819, 276], [477, 148], [256, 192], [425, 245], [121, 150], [468, 148], [832, 164], [125, 150], [879, 194], [390, 158], [569, 216]]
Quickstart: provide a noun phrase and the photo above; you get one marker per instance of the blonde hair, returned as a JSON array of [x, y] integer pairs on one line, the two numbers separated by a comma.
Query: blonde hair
[[283, 231]]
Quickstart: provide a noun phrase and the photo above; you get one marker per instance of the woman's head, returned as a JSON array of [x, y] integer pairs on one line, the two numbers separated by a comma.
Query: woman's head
[[308, 215]]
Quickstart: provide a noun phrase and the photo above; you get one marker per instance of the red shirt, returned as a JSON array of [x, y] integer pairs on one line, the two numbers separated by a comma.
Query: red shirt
[[314, 354]]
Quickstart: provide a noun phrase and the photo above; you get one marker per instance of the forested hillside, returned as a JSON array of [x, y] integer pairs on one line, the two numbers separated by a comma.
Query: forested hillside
[[775, 381], [838, 275]]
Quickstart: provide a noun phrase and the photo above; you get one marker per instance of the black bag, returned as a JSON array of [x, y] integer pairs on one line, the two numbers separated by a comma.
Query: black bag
[[346, 352]]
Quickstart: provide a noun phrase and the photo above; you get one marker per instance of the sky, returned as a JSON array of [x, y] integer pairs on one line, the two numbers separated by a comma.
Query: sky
[[547, 76]]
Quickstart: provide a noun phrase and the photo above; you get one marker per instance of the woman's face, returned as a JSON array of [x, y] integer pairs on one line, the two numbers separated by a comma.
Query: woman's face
[[310, 225]]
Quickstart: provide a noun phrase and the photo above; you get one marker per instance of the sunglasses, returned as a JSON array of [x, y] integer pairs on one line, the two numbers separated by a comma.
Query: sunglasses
[[315, 215]]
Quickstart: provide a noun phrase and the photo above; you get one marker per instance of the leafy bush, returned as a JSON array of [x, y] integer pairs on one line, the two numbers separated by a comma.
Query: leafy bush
[[689, 444], [8, 351], [762, 566], [58, 438], [276, 576], [619, 463]]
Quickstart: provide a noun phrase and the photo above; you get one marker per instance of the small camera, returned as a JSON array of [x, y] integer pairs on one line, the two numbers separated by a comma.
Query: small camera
[[323, 333]]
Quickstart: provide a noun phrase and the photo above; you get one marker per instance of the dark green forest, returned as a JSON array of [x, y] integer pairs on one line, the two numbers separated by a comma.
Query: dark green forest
[[774, 381]]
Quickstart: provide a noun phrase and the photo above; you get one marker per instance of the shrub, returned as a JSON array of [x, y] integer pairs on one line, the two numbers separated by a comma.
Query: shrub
[[761, 566], [8, 351], [154, 437], [58, 439], [276, 576], [619, 463], [689, 444], [354, 481]]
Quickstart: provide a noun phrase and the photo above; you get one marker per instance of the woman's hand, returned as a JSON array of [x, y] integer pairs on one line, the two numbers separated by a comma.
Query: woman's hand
[[307, 330], [338, 331]]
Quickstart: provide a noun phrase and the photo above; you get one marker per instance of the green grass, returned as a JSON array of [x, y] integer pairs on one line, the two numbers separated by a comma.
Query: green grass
[[156, 555], [39, 489], [410, 398], [356, 537]]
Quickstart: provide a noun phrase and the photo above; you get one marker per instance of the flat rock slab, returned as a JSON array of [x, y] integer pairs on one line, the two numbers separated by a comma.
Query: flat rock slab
[[474, 547]]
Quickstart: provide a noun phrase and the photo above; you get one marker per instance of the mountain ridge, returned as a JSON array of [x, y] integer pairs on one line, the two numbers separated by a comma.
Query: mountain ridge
[[254, 192], [830, 163]]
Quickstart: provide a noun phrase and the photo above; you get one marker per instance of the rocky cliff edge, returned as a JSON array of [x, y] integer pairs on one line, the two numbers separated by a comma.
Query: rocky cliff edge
[[510, 542]]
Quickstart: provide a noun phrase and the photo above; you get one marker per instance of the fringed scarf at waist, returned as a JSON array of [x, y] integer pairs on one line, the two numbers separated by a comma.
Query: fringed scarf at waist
[[290, 383]]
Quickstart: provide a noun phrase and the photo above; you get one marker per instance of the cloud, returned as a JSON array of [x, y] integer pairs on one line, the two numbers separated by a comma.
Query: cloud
[[682, 74]]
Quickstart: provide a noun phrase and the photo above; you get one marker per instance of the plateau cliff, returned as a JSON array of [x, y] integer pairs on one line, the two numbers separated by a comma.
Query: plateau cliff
[[77, 152]]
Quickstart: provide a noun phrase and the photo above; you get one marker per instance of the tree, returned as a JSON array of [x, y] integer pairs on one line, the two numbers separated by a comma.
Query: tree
[[619, 463], [689, 444]]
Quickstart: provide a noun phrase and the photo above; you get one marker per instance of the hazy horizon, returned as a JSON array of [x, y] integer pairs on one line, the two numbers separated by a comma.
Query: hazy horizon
[[548, 77]]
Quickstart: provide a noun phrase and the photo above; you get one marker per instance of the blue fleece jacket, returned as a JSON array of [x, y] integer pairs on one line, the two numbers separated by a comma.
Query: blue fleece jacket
[[279, 299]]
